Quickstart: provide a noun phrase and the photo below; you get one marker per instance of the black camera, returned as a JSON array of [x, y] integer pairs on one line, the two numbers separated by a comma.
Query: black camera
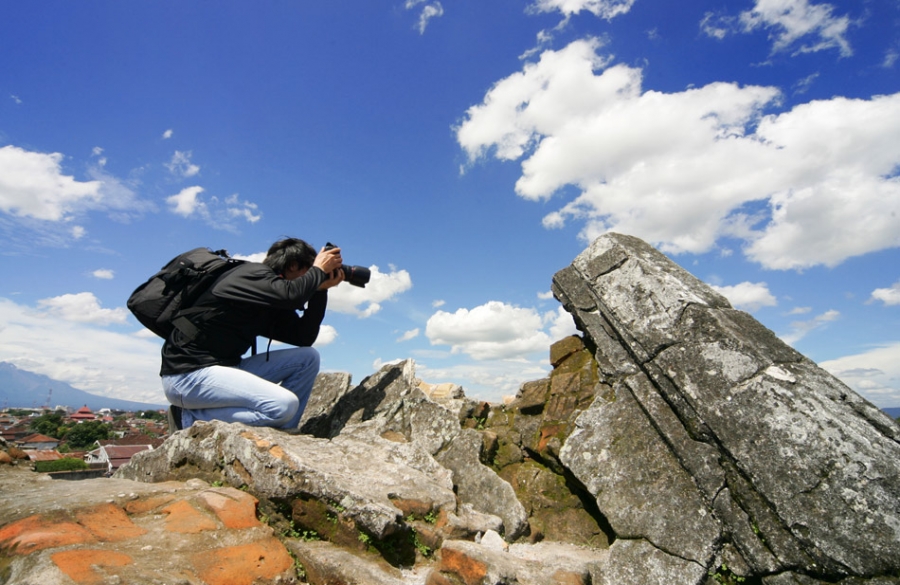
[[355, 275]]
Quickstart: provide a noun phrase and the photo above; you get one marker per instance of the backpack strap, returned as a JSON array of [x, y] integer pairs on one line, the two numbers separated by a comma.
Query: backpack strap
[[186, 326]]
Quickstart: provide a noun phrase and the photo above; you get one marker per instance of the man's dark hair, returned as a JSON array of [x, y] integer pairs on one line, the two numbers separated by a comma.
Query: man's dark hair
[[285, 253]]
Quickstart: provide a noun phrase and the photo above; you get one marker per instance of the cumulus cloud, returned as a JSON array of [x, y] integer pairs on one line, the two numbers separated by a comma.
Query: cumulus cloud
[[187, 202], [748, 295], [35, 190], [432, 9], [167, 134], [32, 184], [874, 373], [810, 186], [607, 9], [181, 165], [798, 26], [494, 330], [560, 324], [799, 329], [103, 274], [365, 302], [50, 339], [220, 214], [327, 335], [888, 296], [81, 308]]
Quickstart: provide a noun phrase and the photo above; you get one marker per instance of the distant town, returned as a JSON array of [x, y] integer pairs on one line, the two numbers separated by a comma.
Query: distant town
[[72, 443]]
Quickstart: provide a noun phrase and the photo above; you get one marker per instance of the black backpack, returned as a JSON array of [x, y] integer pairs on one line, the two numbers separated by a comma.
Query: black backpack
[[163, 302]]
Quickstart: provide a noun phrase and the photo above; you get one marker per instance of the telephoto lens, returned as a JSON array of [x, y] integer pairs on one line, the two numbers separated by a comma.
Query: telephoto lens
[[355, 275]]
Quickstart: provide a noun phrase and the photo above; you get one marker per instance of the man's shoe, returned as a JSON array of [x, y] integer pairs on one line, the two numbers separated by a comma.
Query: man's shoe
[[174, 418]]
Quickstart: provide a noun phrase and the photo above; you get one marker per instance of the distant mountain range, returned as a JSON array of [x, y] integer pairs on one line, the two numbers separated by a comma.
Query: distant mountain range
[[24, 389], [892, 412]]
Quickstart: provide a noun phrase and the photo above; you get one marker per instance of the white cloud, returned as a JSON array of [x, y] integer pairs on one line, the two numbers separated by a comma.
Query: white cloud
[[814, 185], [485, 380], [438, 303], [32, 184], [804, 84], [82, 308], [875, 373], [187, 203], [167, 134], [716, 26], [431, 10], [889, 296], [257, 257], [118, 196], [795, 25], [217, 213], [494, 330], [607, 9], [103, 274], [799, 329], [561, 324], [78, 351], [181, 165], [16, 99], [789, 21], [33, 187], [890, 58], [327, 335], [237, 208], [365, 302], [411, 334], [545, 296], [748, 295]]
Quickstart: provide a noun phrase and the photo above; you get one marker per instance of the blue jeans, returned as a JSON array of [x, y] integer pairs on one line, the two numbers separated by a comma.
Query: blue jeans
[[266, 390]]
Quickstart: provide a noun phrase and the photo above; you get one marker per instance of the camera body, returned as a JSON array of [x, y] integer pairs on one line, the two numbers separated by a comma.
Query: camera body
[[355, 275]]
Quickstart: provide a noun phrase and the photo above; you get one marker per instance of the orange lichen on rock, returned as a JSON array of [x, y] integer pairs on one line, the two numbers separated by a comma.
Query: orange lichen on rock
[[39, 532], [243, 564], [236, 509], [186, 519], [85, 566], [109, 523]]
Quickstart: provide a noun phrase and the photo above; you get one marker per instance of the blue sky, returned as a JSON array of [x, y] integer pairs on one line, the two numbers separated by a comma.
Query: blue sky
[[466, 151]]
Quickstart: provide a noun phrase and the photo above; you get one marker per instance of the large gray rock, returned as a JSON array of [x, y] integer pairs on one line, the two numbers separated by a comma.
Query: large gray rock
[[362, 477], [719, 442]]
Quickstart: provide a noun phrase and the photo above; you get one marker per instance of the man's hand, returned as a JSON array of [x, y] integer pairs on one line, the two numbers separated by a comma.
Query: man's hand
[[328, 260], [334, 279]]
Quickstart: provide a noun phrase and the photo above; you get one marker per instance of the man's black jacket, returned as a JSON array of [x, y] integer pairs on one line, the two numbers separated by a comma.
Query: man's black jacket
[[248, 301]]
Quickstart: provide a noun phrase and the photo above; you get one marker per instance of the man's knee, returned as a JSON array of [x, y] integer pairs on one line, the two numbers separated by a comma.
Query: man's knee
[[311, 356]]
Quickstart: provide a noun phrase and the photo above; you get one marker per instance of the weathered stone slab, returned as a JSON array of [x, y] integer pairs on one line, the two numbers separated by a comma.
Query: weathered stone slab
[[638, 561], [324, 562], [640, 486], [723, 431], [118, 531], [362, 476], [482, 487], [539, 564]]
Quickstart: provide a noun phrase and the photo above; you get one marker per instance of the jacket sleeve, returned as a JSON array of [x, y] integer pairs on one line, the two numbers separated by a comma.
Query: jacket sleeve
[[301, 331], [257, 284]]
